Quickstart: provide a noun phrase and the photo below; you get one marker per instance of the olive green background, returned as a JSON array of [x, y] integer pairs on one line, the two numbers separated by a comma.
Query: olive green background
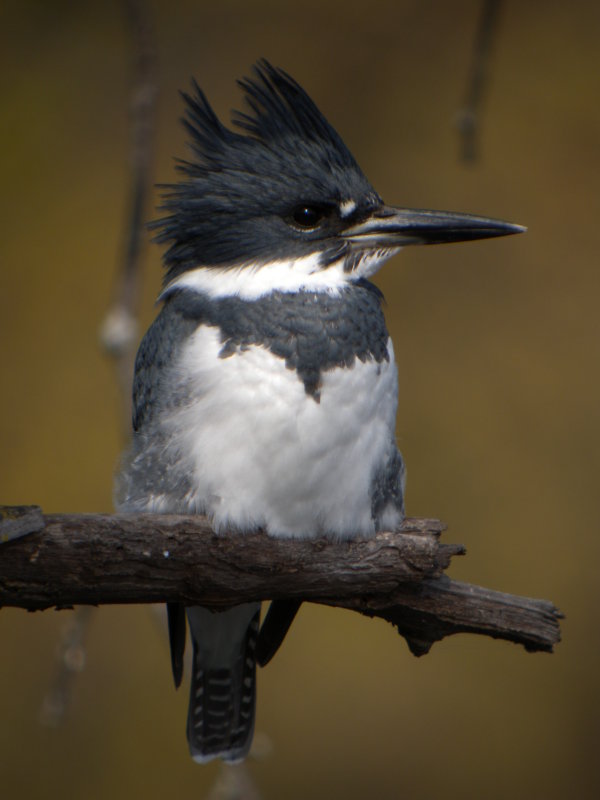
[[498, 352]]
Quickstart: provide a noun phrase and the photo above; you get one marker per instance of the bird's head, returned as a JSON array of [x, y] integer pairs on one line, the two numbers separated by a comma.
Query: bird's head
[[283, 203]]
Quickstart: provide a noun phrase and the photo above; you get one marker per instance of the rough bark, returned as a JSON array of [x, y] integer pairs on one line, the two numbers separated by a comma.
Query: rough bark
[[92, 559]]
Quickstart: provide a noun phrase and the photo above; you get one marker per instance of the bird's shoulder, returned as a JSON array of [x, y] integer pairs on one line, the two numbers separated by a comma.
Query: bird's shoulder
[[159, 349], [311, 332]]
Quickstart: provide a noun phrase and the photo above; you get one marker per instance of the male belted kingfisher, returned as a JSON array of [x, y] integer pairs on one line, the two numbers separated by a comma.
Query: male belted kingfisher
[[265, 391]]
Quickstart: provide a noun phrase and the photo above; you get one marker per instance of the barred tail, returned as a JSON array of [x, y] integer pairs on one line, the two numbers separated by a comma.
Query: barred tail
[[223, 687]]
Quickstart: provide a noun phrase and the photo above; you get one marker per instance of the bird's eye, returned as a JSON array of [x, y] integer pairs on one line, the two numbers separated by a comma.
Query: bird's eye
[[307, 217]]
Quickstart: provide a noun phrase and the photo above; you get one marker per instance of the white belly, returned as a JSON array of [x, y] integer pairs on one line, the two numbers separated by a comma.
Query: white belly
[[261, 452]]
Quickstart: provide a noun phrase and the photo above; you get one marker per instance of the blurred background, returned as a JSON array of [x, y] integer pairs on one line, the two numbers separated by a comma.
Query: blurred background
[[498, 351]]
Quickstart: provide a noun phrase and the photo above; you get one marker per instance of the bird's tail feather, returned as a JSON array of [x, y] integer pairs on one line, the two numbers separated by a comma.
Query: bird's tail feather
[[223, 686]]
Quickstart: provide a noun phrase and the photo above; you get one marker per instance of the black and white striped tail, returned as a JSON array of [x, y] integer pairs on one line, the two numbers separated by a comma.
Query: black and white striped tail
[[223, 687]]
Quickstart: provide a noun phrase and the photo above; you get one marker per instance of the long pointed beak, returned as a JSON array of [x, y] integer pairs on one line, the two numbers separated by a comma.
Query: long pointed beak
[[397, 227]]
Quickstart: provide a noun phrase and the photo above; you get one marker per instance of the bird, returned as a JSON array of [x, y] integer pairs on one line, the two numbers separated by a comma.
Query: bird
[[265, 391]]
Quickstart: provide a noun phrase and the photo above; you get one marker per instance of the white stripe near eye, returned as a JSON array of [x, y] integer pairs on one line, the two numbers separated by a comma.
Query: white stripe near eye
[[347, 207]]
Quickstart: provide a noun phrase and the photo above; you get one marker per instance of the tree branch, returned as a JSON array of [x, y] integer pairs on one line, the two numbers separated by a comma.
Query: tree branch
[[119, 330], [91, 559], [469, 118]]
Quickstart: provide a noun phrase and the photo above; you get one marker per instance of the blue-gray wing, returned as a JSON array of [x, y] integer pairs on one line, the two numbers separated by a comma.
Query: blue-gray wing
[[158, 351], [153, 476], [387, 489]]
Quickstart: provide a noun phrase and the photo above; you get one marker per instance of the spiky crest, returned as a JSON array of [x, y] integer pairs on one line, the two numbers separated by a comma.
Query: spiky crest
[[238, 186]]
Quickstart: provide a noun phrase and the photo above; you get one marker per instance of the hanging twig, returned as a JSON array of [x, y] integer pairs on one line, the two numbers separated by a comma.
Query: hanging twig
[[118, 332], [71, 658], [469, 118], [119, 329]]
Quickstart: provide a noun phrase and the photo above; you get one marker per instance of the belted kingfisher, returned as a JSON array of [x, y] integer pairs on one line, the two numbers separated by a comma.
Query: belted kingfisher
[[265, 391]]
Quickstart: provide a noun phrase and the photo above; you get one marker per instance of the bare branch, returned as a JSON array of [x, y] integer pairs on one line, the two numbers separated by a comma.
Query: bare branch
[[70, 659], [119, 328], [16, 521], [148, 558], [468, 121]]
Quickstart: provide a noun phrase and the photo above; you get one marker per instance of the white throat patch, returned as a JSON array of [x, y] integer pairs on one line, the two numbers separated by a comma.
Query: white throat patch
[[251, 281]]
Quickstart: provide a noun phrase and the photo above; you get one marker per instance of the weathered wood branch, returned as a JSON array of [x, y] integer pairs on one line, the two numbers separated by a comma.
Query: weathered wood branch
[[92, 559]]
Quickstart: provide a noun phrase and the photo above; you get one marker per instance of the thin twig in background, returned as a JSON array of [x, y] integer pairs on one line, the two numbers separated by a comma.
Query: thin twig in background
[[118, 333], [119, 329], [469, 117], [71, 657]]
